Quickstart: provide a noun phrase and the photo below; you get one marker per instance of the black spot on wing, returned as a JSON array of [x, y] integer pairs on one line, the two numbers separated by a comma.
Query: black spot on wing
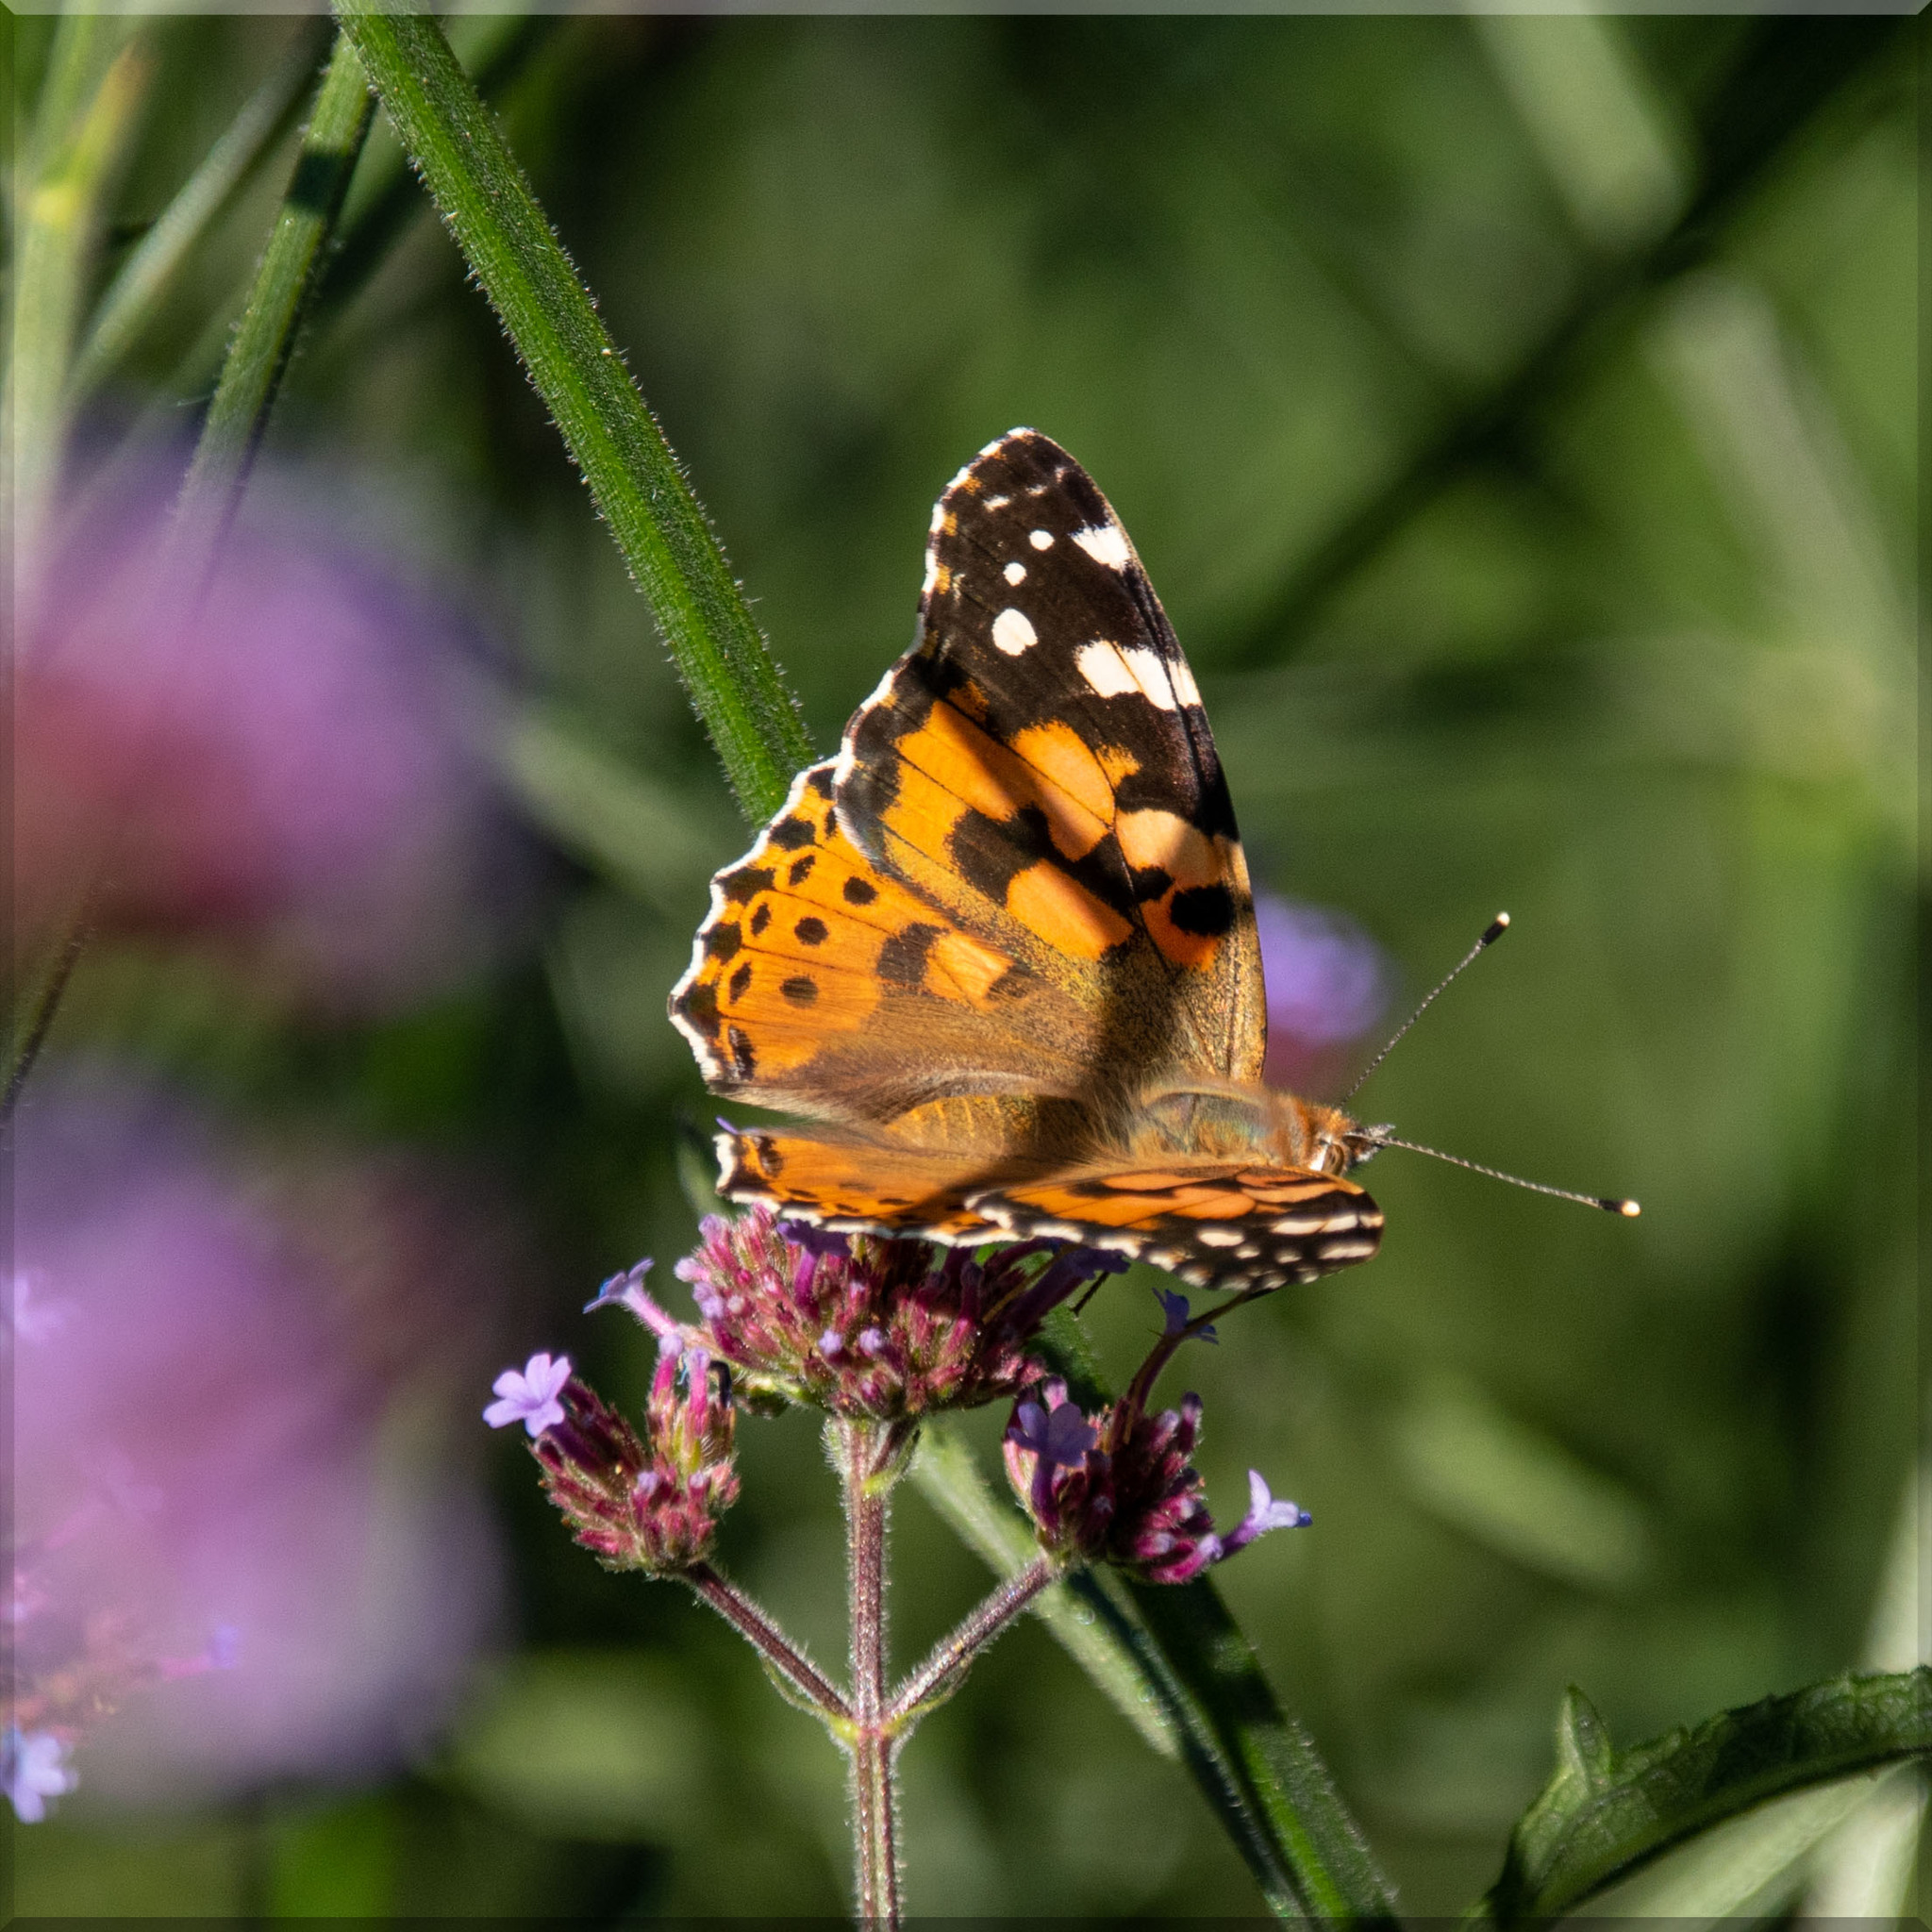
[[747, 882], [801, 869], [860, 891], [723, 940], [902, 959], [744, 1060], [759, 920], [740, 980], [699, 1006], [811, 930], [790, 834], [800, 991], [1205, 910]]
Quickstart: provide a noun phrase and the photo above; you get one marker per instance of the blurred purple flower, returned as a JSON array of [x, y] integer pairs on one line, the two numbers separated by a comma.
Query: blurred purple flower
[[224, 1498], [33, 1768], [529, 1396], [1327, 983], [292, 771]]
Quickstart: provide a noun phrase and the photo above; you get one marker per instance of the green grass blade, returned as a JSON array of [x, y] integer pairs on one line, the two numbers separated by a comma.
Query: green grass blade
[[150, 270], [265, 338], [81, 136], [1606, 1814], [632, 475]]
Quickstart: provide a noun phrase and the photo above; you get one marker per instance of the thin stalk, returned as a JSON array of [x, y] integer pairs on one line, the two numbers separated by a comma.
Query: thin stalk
[[632, 475], [71, 164], [950, 1655], [48, 1004], [778, 1651], [144, 278], [265, 339], [871, 1744]]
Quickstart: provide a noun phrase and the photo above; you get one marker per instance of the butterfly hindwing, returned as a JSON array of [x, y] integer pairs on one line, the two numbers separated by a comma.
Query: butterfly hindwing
[[1040, 767], [1215, 1224]]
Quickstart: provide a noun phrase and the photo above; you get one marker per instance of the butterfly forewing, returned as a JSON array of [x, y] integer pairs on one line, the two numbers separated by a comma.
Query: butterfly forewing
[[1040, 764]]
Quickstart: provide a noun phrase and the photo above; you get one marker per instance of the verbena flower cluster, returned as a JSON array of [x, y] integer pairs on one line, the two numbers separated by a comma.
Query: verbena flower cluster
[[648, 1502], [1121, 1489], [885, 1331]]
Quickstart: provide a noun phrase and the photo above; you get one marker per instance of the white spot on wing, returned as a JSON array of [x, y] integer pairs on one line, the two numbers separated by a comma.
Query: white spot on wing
[[1105, 544], [1042, 540], [996, 502], [1184, 689], [1219, 1236], [1012, 633], [1015, 572], [1113, 672]]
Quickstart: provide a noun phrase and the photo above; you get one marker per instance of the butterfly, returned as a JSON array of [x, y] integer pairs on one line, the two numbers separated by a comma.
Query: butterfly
[[1001, 950]]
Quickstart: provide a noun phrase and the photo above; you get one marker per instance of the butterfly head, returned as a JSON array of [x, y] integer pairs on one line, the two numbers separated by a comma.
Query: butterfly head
[[1335, 1141]]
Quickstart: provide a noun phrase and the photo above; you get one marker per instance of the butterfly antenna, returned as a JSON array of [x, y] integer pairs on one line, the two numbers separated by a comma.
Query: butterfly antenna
[[1629, 1209], [1491, 933]]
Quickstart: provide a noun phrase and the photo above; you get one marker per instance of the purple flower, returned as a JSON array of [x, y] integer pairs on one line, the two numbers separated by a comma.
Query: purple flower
[[33, 1768], [529, 1396], [1326, 983], [1122, 1487], [1264, 1513], [626, 1290], [1178, 1313], [861, 1324]]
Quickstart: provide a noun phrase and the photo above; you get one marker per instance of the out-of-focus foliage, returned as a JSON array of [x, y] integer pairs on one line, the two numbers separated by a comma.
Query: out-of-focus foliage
[[1533, 550]]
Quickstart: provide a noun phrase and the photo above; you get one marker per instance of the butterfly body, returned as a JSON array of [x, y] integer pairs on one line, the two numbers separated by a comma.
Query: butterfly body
[[1002, 947]]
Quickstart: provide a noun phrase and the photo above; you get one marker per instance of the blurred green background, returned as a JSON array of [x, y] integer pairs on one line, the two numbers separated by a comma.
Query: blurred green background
[[1518, 418]]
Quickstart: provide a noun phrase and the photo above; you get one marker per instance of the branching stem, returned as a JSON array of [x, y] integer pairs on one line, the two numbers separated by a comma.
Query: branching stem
[[758, 1629]]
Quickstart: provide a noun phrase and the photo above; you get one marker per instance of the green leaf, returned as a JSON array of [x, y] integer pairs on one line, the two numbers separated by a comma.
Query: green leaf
[[1605, 1813], [1259, 1769], [631, 472]]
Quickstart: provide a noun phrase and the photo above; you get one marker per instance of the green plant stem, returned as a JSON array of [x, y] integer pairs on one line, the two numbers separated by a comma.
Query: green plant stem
[[812, 1687], [265, 339], [632, 475], [940, 1674], [143, 279], [864, 1461]]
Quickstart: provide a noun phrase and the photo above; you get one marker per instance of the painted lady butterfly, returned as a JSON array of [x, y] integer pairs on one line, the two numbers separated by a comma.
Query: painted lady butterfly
[[1003, 944]]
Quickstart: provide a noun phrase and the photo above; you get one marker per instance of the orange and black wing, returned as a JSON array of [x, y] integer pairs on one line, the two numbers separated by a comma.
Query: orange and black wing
[[1040, 767], [1215, 1224], [822, 986]]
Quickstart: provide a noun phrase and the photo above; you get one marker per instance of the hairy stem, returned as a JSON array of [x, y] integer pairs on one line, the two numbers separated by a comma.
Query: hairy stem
[[778, 1651], [939, 1674], [865, 1473]]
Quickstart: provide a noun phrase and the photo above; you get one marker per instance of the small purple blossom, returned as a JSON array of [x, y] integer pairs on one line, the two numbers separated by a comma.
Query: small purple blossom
[[33, 1768], [1178, 1313], [529, 1396], [1264, 1513], [626, 1290]]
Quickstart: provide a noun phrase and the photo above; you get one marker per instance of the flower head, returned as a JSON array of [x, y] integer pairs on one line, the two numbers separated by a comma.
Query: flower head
[[33, 1768], [650, 1502], [865, 1325], [529, 1396], [1121, 1489]]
